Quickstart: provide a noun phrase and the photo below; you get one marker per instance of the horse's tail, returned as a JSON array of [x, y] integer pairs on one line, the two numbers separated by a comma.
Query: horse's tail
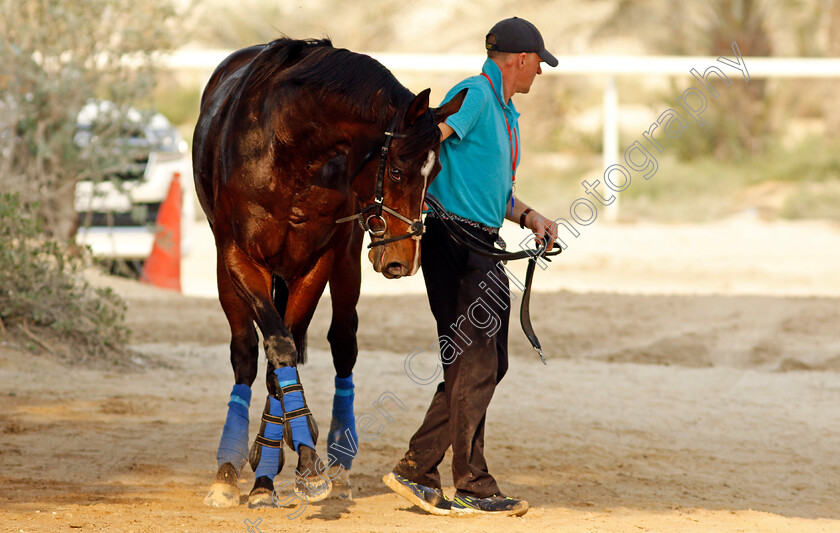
[[281, 299]]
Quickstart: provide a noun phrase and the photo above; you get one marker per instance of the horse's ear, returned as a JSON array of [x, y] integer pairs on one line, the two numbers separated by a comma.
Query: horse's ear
[[451, 107], [418, 107]]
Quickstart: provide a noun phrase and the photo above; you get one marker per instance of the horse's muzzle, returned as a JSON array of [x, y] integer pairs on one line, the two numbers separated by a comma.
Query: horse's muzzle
[[388, 267], [395, 270]]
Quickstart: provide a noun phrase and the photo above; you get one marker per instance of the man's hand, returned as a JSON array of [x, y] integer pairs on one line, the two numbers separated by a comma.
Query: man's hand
[[542, 226]]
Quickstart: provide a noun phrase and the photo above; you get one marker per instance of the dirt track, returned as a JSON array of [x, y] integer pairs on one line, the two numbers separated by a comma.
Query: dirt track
[[656, 413]]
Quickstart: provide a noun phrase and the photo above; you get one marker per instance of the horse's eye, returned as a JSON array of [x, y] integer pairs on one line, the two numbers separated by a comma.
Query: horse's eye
[[396, 174]]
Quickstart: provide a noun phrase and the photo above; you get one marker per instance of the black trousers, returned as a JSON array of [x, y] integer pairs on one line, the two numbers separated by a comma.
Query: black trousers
[[470, 300]]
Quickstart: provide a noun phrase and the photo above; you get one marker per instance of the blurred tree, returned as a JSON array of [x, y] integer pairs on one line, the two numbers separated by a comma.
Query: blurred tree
[[743, 118], [831, 104], [55, 56], [364, 25], [751, 115], [739, 121]]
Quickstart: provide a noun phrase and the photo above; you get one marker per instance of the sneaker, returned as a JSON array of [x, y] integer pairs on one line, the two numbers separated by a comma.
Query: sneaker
[[497, 504], [431, 500]]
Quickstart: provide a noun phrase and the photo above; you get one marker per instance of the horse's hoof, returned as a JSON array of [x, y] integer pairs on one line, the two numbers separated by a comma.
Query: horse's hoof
[[224, 492], [222, 495], [341, 487], [313, 489], [260, 498]]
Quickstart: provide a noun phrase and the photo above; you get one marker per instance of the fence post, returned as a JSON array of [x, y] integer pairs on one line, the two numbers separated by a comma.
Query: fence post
[[610, 141]]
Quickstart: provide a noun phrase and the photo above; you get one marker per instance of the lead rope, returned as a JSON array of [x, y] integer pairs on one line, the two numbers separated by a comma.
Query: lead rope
[[469, 241], [525, 311]]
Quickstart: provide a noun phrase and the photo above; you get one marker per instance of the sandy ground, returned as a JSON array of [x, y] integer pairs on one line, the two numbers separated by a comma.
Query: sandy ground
[[693, 385]]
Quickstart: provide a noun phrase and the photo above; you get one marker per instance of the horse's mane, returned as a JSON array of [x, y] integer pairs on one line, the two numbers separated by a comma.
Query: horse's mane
[[361, 81]]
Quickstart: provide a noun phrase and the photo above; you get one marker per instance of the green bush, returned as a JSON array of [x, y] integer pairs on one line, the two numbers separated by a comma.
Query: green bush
[[811, 160], [817, 200], [45, 304], [701, 190]]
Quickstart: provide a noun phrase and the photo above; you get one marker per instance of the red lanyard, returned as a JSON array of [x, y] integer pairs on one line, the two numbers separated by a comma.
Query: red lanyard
[[514, 142]]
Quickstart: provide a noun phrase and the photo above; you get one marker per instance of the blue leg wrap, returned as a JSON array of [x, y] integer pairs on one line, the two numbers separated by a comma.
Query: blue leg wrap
[[233, 446], [291, 401], [269, 464], [342, 441]]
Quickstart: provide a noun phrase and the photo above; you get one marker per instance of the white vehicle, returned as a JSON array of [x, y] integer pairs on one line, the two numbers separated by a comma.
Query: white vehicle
[[117, 216]]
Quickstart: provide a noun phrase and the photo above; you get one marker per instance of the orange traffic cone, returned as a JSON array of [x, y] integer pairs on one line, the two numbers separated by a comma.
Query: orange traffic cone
[[163, 267]]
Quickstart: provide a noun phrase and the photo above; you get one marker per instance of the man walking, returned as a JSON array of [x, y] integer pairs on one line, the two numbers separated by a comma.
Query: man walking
[[479, 156]]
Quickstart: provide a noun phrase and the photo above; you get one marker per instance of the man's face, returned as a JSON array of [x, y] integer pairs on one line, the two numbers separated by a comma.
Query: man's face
[[528, 72]]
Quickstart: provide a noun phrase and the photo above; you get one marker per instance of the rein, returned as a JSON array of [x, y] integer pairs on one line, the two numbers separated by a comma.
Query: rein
[[378, 206], [469, 241]]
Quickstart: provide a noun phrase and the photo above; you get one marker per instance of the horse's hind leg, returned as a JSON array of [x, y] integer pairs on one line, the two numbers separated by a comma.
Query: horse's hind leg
[[244, 351], [342, 440]]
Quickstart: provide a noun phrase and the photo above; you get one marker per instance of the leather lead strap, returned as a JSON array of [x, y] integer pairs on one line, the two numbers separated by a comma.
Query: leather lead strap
[[525, 310], [469, 241]]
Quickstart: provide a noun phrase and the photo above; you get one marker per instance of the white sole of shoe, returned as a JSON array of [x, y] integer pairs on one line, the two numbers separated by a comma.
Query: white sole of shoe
[[393, 483]]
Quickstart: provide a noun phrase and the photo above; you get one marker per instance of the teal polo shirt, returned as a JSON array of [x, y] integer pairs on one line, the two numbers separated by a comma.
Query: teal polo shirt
[[475, 180]]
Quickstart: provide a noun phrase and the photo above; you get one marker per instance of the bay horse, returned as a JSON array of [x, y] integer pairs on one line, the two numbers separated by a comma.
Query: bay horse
[[295, 141]]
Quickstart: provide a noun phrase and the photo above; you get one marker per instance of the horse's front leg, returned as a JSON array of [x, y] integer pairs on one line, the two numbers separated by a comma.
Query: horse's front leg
[[311, 479], [244, 351], [286, 417], [342, 440]]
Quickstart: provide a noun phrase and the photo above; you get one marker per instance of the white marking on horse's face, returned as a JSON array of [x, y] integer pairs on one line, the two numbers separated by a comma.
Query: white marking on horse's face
[[427, 167], [425, 171], [416, 266]]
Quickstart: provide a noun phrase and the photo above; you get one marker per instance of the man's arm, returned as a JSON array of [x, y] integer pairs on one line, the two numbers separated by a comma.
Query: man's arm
[[534, 221]]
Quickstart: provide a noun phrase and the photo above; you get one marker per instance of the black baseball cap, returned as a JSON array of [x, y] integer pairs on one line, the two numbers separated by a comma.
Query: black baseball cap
[[518, 35]]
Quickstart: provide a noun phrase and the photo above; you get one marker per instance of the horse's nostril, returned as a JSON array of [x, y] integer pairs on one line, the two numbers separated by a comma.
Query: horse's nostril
[[395, 268]]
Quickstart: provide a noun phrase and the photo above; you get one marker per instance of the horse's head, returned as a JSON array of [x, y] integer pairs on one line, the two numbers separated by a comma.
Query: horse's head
[[408, 164]]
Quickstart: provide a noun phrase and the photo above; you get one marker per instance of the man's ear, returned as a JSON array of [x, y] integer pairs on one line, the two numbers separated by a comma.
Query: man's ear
[[451, 107], [418, 107]]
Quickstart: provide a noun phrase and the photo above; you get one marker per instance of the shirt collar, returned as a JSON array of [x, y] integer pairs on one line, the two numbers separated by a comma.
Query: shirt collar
[[495, 74]]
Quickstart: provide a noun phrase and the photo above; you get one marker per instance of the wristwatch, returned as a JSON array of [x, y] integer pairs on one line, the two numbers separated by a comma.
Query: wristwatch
[[523, 216]]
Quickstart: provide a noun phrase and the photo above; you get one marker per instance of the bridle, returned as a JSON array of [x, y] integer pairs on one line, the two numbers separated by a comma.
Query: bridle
[[378, 206]]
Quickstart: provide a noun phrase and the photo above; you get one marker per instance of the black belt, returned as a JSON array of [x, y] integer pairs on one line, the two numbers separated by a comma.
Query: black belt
[[471, 223]]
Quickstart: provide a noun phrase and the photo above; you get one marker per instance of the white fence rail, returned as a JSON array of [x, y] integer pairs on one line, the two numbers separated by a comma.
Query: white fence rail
[[760, 67], [608, 66]]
